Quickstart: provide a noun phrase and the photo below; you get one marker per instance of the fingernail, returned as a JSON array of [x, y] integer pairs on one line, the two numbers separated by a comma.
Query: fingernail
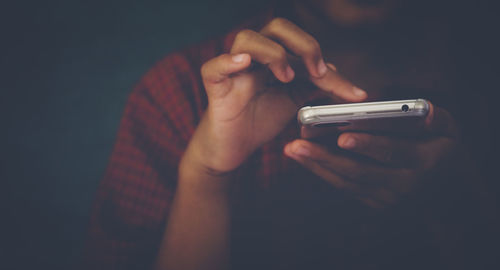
[[289, 73], [322, 69], [358, 92], [332, 66], [349, 143], [301, 151], [239, 58]]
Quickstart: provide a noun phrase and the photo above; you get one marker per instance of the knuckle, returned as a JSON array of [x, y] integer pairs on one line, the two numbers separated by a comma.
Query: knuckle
[[311, 46], [242, 39], [280, 53], [207, 69], [276, 24], [243, 36], [204, 70]]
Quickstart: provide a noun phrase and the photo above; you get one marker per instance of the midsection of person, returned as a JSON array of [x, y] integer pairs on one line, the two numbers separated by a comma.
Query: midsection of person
[[252, 97], [249, 191]]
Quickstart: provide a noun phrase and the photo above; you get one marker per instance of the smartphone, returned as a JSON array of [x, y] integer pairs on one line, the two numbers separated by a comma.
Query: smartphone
[[402, 117]]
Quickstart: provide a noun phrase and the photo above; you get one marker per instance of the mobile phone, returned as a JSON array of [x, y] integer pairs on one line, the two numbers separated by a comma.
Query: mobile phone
[[403, 117]]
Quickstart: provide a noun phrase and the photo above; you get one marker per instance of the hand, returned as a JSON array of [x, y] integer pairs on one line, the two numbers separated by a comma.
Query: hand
[[244, 110], [391, 166]]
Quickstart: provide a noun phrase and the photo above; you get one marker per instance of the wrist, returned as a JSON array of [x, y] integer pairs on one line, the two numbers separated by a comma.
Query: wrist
[[216, 151], [195, 175]]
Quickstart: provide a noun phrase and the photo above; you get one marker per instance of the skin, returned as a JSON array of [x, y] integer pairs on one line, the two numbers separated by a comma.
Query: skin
[[233, 127], [401, 163]]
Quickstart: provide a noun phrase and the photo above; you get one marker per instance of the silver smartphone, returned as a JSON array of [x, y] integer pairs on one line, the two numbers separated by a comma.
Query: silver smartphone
[[397, 116]]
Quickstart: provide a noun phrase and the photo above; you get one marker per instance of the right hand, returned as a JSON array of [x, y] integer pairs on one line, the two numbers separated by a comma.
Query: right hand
[[244, 111]]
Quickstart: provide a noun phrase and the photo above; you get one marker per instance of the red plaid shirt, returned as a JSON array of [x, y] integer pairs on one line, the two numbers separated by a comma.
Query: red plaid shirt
[[286, 210], [135, 195]]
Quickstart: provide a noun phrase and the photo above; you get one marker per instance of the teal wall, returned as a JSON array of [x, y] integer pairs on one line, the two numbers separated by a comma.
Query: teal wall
[[67, 69]]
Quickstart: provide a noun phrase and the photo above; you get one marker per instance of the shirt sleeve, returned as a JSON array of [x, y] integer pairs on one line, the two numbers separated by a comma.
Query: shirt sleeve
[[134, 197]]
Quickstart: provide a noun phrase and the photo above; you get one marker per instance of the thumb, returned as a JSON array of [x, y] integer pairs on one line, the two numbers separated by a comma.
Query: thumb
[[216, 72]]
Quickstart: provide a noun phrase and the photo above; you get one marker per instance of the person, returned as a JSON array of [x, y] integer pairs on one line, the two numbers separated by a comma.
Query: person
[[209, 170]]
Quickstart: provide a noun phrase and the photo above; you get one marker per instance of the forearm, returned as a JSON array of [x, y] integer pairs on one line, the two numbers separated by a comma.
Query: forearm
[[197, 232]]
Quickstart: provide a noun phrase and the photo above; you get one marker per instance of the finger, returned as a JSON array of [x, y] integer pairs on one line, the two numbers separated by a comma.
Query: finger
[[323, 75], [441, 122], [373, 197], [387, 150], [361, 172], [216, 71], [299, 42], [264, 51], [318, 169], [341, 88], [375, 188]]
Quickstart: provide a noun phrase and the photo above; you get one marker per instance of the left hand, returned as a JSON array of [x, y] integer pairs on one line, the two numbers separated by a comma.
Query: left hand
[[399, 166]]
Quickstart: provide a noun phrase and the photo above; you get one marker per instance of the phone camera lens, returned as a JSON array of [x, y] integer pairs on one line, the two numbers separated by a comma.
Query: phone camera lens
[[405, 108]]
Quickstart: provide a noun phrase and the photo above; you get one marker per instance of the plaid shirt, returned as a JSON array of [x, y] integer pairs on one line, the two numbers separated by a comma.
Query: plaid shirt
[[134, 197], [284, 217]]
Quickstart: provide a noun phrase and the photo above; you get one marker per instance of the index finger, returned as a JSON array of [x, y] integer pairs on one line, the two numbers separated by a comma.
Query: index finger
[[299, 42], [324, 76]]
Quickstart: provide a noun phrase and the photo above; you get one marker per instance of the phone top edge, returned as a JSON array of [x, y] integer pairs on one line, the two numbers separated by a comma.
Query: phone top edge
[[422, 105], [365, 110], [418, 100]]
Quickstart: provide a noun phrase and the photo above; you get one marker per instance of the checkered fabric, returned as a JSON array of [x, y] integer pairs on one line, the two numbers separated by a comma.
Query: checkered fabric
[[290, 219], [133, 199]]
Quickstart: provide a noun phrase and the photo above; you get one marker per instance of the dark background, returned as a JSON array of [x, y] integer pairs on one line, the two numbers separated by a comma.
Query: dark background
[[67, 68]]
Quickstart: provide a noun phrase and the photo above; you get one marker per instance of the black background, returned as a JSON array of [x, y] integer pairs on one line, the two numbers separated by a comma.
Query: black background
[[67, 68]]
